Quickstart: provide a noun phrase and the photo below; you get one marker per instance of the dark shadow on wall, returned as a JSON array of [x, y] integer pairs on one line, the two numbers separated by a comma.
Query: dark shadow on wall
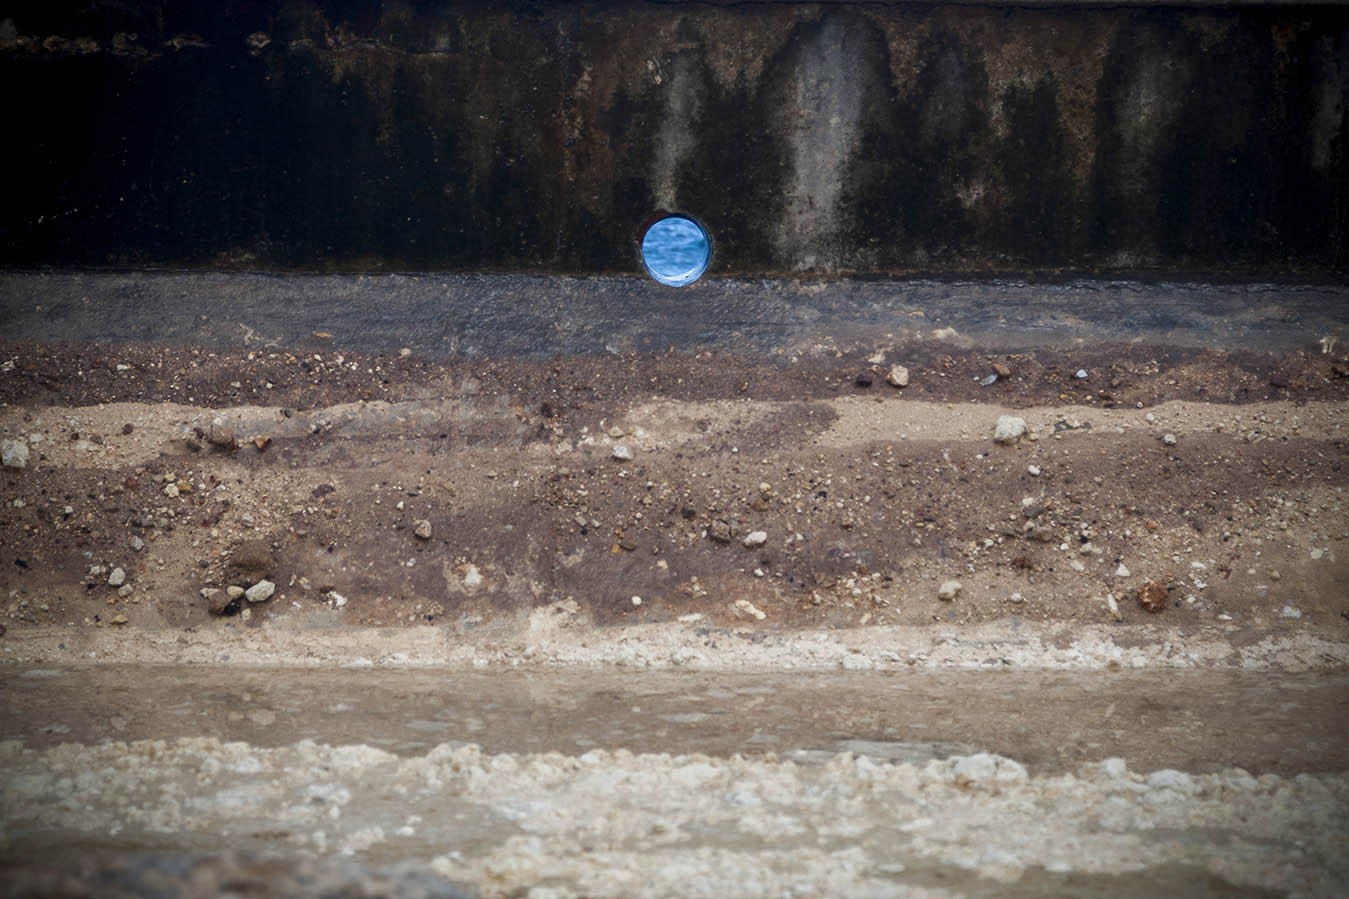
[[324, 135]]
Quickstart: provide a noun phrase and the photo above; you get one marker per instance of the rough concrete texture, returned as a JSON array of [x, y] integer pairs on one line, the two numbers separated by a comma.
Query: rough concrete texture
[[812, 138], [617, 824]]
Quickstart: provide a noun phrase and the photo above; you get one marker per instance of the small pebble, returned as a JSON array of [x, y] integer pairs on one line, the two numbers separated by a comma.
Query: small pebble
[[756, 538], [117, 578], [948, 590], [1033, 470], [636, 600], [898, 376], [622, 453], [422, 529], [1169, 439]]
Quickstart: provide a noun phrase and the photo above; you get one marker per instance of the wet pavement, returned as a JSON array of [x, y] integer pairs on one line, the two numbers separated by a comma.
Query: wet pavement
[[1198, 721], [476, 315]]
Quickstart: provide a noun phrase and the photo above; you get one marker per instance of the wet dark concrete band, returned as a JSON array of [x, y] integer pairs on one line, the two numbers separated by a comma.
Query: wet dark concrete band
[[476, 315]]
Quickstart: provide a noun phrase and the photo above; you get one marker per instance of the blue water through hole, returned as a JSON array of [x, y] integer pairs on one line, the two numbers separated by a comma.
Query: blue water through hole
[[676, 251]]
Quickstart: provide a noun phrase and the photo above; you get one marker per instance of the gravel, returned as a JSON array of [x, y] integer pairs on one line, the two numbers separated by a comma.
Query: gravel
[[614, 823]]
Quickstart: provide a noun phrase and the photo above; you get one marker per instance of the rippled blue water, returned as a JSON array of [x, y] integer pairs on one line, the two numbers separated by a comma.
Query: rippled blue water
[[675, 251]]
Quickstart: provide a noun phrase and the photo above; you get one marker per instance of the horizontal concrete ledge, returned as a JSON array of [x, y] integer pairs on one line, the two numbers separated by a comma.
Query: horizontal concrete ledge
[[476, 315]]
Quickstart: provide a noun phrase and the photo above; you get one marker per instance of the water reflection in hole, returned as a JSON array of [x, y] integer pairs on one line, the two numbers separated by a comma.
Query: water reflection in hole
[[676, 250]]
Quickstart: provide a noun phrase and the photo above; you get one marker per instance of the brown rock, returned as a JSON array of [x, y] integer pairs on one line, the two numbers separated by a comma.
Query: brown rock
[[1152, 596], [1279, 380], [719, 531], [251, 561], [222, 435], [1002, 370]]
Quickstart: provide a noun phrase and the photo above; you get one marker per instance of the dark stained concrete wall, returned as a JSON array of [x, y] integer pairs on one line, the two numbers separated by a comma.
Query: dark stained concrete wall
[[326, 135]]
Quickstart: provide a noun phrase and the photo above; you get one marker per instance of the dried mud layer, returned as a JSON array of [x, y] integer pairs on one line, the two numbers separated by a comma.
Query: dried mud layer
[[1172, 505], [1170, 508]]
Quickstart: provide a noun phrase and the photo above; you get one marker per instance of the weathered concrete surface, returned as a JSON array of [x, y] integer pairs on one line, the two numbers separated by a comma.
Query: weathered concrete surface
[[813, 138], [482, 315]]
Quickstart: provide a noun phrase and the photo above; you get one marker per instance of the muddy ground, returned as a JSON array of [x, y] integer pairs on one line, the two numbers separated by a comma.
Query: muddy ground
[[1173, 508], [1198, 489]]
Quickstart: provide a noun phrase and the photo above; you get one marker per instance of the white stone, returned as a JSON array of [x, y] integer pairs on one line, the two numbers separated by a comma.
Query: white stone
[[472, 577], [14, 453], [1169, 439], [1170, 779], [1009, 429], [422, 529], [1291, 612], [745, 607], [948, 590], [117, 578], [337, 599], [756, 538], [898, 376], [856, 661], [260, 591], [636, 600], [1122, 570], [1034, 471], [1114, 768], [622, 453], [974, 770]]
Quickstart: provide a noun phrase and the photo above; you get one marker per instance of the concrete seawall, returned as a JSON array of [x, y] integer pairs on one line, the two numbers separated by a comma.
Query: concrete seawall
[[813, 138]]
